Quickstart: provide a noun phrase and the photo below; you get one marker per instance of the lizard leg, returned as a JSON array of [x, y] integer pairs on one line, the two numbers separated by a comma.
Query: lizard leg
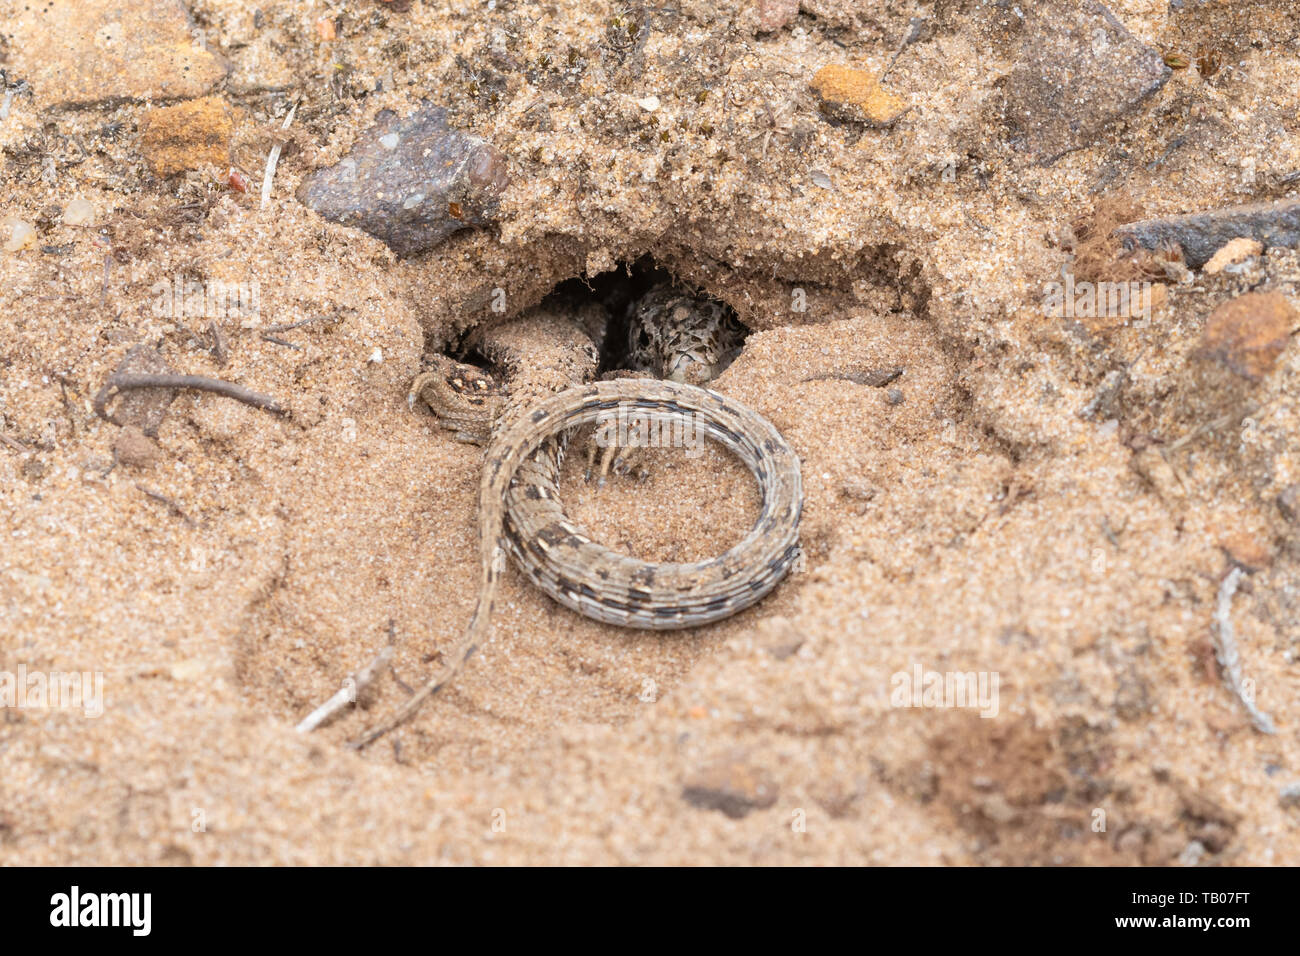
[[618, 442], [533, 356]]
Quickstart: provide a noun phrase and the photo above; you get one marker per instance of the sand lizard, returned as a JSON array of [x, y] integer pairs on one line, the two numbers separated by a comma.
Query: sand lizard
[[520, 511]]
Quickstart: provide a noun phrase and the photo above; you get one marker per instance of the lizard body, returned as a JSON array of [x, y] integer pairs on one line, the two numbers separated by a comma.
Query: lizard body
[[520, 511]]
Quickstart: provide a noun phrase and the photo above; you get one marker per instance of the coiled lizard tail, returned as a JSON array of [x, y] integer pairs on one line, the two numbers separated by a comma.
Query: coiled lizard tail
[[520, 513]]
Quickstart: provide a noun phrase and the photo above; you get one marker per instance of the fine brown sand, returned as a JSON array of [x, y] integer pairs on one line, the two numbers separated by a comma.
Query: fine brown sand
[[226, 578]]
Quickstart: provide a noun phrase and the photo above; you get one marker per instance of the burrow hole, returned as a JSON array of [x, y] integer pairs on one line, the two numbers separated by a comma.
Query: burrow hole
[[676, 507], [618, 293]]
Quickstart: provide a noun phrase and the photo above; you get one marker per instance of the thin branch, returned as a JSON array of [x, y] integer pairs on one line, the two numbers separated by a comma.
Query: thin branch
[[219, 350], [913, 33], [289, 327], [413, 703], [172, 506], [121, 381], [275, 340], [1225, 646], [273, 158], [1213, 425], [352, 688]]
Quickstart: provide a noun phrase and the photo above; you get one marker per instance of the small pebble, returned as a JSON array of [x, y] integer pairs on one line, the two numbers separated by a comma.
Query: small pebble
[[79, 212], [185, 136], [21, 234], [856, 96], [1288, 502], [894, 396], [236, 180], [1192, 853], [775, 14], [780, 637], [649, 104], [1247, 334], [189, 670], [135, 449], [1230, 253], [1253, 552]]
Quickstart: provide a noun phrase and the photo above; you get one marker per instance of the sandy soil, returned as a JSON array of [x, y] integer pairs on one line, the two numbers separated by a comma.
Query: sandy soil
[[227, 575]]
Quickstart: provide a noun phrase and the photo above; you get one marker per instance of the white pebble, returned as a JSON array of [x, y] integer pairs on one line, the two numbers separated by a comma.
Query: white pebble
[[79, 212], [650, 103], [376, 356], [21, 234]]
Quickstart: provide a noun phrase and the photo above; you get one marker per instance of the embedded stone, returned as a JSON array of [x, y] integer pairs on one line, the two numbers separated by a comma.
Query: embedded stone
[[856, 96], [1078, 70], [95, 52], [411, 181], [731, 785], [1247, 334], [1202, 234], [175, 139]]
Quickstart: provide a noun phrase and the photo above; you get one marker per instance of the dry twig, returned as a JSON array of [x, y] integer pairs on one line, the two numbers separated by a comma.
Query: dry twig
[[273, 158], [120, 381], [171, 505], [1225, 646], [352, 688], [290, 326]]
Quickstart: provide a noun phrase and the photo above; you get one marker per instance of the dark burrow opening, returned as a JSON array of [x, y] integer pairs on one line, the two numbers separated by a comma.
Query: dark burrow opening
[[644, 320]]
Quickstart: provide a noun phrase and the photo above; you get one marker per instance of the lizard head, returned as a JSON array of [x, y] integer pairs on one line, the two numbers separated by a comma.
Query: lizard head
[[464, 398]]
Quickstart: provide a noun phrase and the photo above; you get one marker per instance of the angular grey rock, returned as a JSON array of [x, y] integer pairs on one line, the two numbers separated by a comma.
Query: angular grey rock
[[410, 181], [731, 785], [1289, 796], [1078, 70], [1201, 234], [1288, 502]]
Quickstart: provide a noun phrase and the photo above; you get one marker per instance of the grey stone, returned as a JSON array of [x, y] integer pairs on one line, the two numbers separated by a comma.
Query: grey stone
[[1288, 502], [731, 785], [1078, 70], [1201, 234], [411, 181]]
